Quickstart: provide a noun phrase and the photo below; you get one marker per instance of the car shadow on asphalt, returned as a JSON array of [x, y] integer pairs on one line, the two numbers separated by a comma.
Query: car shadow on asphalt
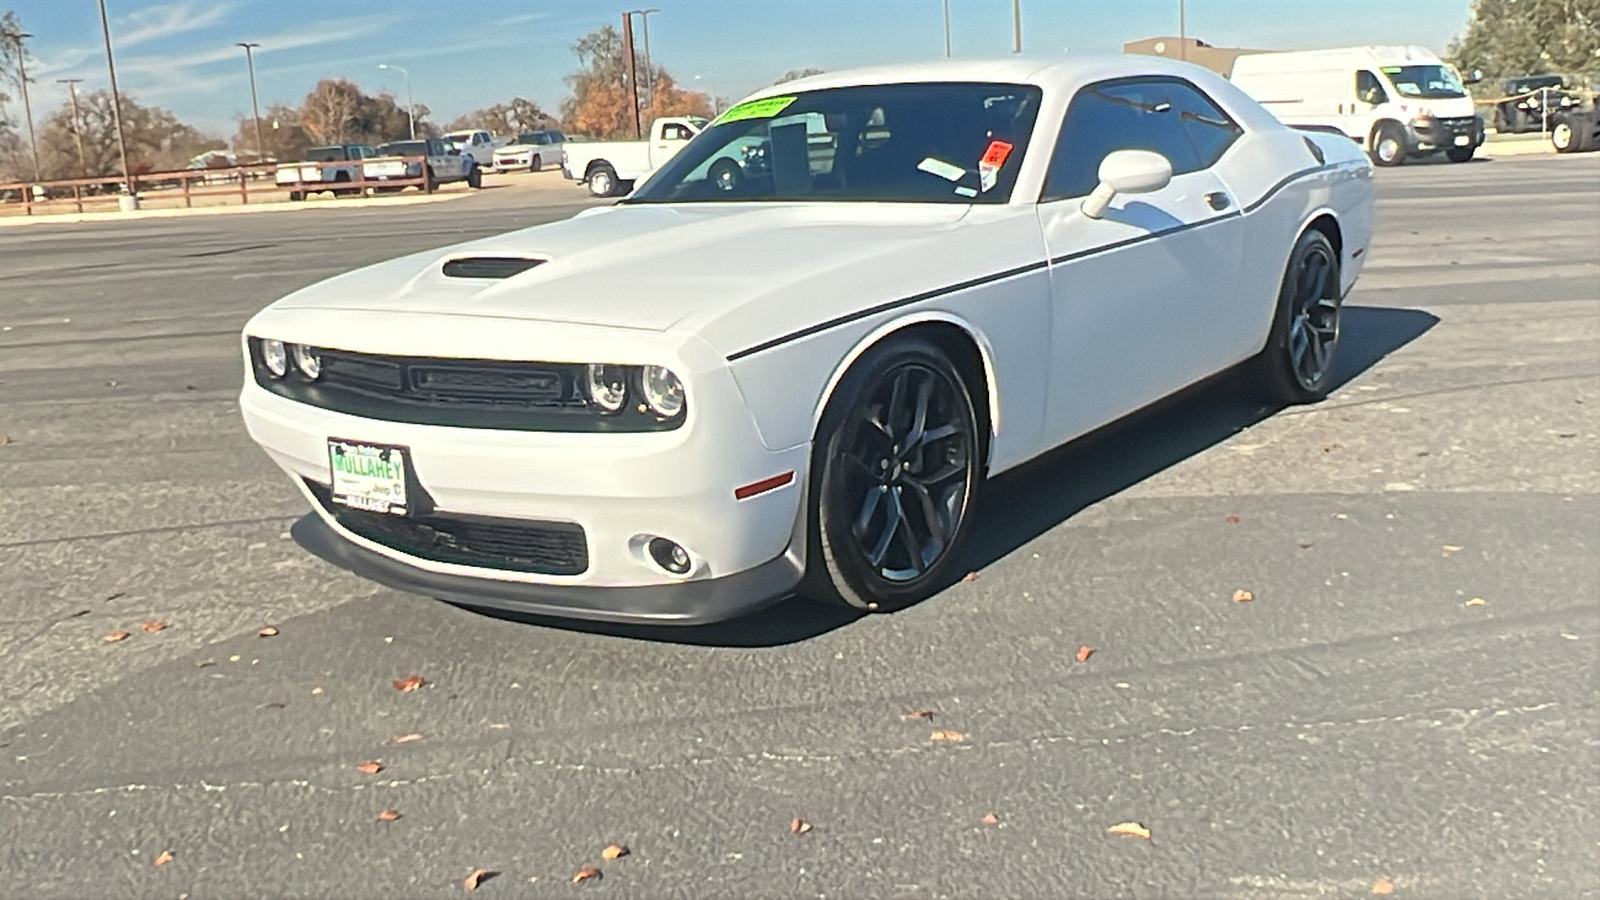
[[1028, 501]]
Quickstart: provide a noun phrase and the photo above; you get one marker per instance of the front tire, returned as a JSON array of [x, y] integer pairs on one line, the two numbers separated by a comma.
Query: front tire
[[536, 164], [895, 470], [429, 183], [475, 178], [1565, 138], [1297, 364], [1388, 145], [1460, 154]]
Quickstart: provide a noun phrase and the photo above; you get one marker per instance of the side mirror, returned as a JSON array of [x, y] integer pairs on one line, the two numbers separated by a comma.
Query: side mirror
[[1127, 172], [1473, 77], [455, 151]]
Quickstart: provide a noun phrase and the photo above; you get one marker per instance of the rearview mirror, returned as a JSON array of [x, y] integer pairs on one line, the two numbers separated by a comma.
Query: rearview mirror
[[1127, 172]]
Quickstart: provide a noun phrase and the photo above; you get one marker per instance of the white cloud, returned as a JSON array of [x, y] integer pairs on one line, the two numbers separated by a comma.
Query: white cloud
[[153, 23]]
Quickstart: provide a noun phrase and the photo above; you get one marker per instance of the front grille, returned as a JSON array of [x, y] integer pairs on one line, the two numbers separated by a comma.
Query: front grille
[[1459, 124], [512, 545]]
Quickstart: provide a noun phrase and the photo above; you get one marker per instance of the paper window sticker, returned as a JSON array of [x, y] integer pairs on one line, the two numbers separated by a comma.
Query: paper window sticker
[[988, 177], [756, 109], [966, 192], [997, 154], [942, 169]]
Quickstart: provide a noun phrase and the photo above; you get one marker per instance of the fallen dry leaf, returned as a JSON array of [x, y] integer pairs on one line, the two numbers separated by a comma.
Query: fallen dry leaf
[[268, 631], [163, 859], [946, 734], [115, 636], [1085, 652], [370, 767], [478, 876], [407, 738], [408, 684], [1233, 520], [1383, 886], [1449, 549], [389, 815], [1132, 829], [970, 576], [6, 439], [316, 690], [991, 819], [587, 873], [614, 851], [799, 826], [117, 596], [1475, 601], [1306, 545], [1243, 596], [152, 627], [918, 714]]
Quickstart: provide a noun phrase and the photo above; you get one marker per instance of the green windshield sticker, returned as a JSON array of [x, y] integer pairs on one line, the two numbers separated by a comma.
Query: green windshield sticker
[[764, 108]]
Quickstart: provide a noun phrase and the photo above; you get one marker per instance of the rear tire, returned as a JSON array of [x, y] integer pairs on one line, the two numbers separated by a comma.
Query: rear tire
[[475, 178], [1565, 138], [1388, 145], [429, 185], [296, 196], [1297, 364], [896, 467], [603, 181]]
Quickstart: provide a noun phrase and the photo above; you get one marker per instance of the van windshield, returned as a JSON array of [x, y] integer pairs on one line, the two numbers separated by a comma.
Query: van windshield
[[1426, 82]]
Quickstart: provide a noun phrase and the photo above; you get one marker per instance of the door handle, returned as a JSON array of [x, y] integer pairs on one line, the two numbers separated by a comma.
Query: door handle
[[1218, 200]]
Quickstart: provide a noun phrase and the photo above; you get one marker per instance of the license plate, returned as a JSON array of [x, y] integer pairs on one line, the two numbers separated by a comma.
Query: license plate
[[369, 477], [1462, 140]]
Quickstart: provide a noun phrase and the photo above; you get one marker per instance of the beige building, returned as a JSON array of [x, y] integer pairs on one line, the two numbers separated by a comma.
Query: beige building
[[1217, 59]]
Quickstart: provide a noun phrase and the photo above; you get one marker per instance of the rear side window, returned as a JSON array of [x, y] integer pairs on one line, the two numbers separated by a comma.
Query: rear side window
[[1167, 116]]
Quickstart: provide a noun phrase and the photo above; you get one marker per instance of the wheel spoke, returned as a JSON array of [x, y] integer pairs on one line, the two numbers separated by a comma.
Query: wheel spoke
[[891, 525], [908, 536], [868, 507], [938, 434], [937, 526], [919, 419], [949, 471], [1297, 344], [1319, 353], [897, 396], [865, 467]]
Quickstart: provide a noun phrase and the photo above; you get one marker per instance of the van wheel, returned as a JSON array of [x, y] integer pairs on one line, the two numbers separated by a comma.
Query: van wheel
[[1460, 154], [1388, 145], [1564, 137]]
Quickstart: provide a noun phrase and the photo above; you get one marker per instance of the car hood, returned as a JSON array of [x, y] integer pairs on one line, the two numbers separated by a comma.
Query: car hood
[[646, 266]]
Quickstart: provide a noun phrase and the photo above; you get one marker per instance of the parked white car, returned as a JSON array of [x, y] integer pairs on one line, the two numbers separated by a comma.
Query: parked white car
[[726, 389], [480, 145], [1397, 102], [611, 167], [532, 150], [435, 161]]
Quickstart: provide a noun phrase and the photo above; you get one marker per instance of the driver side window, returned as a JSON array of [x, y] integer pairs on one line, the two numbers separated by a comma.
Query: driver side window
[[1369, 89]]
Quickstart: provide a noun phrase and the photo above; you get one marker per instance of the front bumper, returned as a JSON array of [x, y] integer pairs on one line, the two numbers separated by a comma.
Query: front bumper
[[517, 161], [620, 488], [1433, 134]]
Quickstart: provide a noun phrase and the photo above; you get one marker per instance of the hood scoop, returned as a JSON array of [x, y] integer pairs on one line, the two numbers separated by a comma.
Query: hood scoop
[[490, 267]]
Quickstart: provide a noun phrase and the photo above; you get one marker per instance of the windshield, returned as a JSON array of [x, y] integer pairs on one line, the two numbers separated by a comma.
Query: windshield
[[1427, 82], [907, 143], [529, 137], [404, 148]]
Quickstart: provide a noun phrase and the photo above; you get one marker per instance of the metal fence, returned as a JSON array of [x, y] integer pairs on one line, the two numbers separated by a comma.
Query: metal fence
[[181, 189]]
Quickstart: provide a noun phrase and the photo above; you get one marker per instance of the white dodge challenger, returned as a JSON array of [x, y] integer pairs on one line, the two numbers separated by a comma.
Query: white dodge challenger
[[789, 360]]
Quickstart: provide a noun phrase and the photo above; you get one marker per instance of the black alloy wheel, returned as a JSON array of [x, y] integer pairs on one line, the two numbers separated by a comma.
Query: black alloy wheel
[[896, 467], [1297, 364]]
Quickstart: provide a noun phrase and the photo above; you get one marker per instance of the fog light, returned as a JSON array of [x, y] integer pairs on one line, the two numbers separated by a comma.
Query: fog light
[[276, 358], [669, 556]]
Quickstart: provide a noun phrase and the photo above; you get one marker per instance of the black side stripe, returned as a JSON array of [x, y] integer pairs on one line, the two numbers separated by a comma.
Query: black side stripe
[[885, 307], [1010, 273]]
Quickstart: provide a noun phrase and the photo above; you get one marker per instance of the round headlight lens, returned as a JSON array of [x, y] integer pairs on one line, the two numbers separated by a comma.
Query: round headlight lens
[[663, 392], [607, 387], [276, 357], [308, 361]]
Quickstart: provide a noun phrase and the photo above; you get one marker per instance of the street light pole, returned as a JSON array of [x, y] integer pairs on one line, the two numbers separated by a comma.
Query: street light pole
[[22, 72], [1016, 26], [631, 71], [255, 107], [411, 106], [77, 122], [116, 102], [1183, 32]]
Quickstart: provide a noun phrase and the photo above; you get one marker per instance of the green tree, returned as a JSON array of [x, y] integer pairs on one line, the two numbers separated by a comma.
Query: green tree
[[1530, 37], [157, 140]]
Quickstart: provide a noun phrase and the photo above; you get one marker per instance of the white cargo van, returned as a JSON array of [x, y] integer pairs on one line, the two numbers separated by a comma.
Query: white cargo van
[[1397, 102]]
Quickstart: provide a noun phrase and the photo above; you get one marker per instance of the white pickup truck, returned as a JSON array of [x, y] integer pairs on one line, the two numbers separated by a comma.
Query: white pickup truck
[[611, 167], [480, 145], [441, 162]]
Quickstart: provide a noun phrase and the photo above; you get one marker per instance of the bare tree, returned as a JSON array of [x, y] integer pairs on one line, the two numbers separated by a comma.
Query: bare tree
[[329, 108]]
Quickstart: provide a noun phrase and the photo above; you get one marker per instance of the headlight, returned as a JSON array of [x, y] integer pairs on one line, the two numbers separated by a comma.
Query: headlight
[[607, 387], [663, 392], [308, 360], [276, 358]]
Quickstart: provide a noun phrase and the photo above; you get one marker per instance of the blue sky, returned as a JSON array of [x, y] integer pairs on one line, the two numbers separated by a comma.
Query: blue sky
[[466, 54]]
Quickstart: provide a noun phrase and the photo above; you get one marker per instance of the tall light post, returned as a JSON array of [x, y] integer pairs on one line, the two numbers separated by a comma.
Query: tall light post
[[1183, 32], [947, 29], [1016, 26], [255, 107], [116, 105], [22, 72], [649, 72], [77, 122], [411, 106]]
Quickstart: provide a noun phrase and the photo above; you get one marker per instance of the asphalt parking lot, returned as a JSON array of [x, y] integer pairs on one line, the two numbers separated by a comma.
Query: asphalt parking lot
[[1409, 700]]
